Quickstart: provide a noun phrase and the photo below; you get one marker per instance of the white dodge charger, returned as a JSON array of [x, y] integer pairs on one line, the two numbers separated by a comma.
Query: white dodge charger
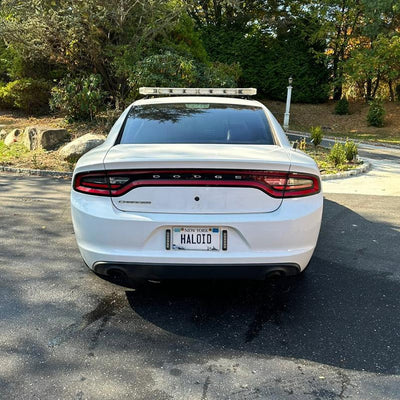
[[201, 183]]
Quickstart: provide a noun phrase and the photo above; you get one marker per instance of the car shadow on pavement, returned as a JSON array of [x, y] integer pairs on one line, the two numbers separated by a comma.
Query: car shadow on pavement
[[343, 312]]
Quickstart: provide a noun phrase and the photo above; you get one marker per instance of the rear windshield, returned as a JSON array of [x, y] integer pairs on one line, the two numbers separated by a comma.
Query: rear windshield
[[196, 123]]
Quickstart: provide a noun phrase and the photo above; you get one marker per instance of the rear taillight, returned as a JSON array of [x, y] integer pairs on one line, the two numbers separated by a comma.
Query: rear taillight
[[98, 183], [274, 183], [299, 185], [92, 183], [282, 184]]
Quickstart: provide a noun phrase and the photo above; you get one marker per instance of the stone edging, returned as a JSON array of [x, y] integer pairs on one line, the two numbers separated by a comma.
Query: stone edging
[[60, 174], [36, 172], [366, 166]]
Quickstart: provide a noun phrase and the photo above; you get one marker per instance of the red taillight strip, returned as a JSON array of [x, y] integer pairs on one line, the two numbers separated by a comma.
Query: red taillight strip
[[257, 185], [273, 183], [99, 192]]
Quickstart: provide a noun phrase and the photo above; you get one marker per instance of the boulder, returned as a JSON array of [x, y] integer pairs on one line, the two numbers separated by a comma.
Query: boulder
[[73, 151], [30, 138], [50, 139], [3, 134], [44, 138], [12, 137]]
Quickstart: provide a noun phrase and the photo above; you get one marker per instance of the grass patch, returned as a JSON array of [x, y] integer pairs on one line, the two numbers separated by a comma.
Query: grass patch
[[10, 153], [17, 155]]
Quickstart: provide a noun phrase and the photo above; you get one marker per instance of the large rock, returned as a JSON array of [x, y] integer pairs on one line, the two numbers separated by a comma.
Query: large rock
[[73, 151], [12, 137], [48, 139], [30, 138]]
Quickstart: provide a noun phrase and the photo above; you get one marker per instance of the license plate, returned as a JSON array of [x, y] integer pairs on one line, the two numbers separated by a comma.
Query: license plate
[[196, 238]]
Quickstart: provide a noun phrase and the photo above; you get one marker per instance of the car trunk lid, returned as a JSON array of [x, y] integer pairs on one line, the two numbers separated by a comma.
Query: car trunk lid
[[195, 178]]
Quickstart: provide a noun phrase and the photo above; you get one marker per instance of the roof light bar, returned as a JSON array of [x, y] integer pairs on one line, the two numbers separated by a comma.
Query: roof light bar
[[199, 91]]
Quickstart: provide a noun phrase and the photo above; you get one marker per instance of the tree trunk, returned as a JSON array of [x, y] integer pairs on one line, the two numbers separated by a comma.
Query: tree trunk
[[376, 85], [369, 90], [337, 89], [390, 84]]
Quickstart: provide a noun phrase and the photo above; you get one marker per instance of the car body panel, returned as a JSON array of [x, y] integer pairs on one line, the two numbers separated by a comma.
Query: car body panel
[[288, 235], [261, 230], [196, 157]]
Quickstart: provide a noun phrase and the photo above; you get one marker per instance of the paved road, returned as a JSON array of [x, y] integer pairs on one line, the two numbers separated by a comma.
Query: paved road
[[66, 334]]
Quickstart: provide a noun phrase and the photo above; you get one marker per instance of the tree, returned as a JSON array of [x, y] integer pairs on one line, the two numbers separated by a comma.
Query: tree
[[97, 36], [352, 29], [369, 66], [226, 12], [340, 20], [270, 41], [380, 23]]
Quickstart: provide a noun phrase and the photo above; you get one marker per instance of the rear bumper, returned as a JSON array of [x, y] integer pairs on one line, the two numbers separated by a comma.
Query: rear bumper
[[256, 242], [190, 271]]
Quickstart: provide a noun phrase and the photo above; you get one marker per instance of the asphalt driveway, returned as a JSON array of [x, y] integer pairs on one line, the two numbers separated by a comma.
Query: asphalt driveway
[[66, 334]]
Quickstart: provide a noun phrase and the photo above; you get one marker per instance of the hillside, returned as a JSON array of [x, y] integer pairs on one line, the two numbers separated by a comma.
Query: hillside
[[303, 116]]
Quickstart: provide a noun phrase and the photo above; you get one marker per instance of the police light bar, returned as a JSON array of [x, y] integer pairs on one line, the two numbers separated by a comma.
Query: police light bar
[[198, 91]]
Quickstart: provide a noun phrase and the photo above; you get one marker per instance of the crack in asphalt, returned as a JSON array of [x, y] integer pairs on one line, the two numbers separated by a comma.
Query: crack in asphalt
[[205, 388], [345, 382]]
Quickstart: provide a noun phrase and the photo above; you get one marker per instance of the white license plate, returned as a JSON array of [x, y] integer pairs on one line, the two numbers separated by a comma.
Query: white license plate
[[196, 238]]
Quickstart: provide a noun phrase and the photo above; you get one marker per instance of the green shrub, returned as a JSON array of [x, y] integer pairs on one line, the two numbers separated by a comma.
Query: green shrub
[[342, 106], [351, 150], [165, 70], [6, 101], [174, 70], [316, 135], [337, 154], [80, 98], [218, 74], [376, 114], [106, 119], [26, 94]]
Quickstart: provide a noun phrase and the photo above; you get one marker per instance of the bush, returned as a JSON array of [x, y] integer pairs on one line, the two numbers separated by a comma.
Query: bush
[[80, 98], [342, 106], [376, 114], [26, 94], [316, 135], [351, 150], [338, 154], [165, 70], [174, 70], [106, 119], [220, 75], [6, 101]]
